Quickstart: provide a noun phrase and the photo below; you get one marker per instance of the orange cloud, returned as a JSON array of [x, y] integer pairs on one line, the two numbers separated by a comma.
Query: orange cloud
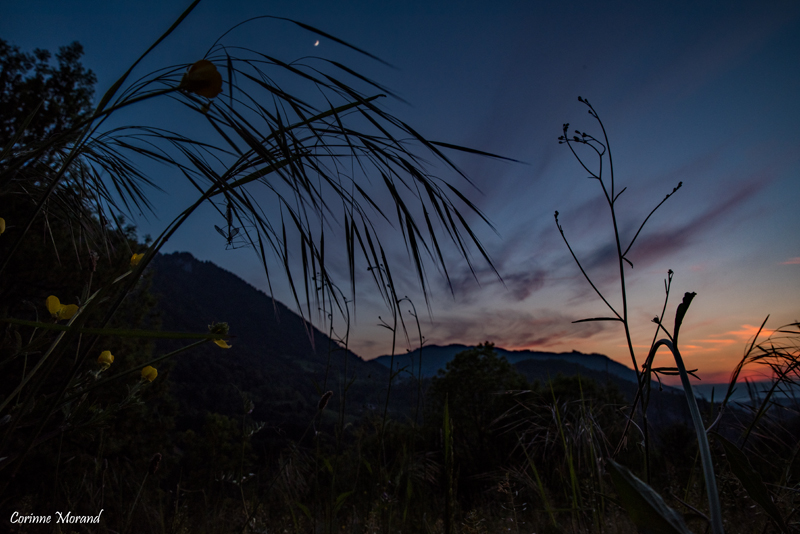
[[791, 261], [717, 354], [744, 335]]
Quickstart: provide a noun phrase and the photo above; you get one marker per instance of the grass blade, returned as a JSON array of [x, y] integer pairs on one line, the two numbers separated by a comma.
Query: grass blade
[[646, 507]]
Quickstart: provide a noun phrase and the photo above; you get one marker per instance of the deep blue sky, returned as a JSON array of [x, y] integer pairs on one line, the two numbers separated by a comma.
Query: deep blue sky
[[704, 94]]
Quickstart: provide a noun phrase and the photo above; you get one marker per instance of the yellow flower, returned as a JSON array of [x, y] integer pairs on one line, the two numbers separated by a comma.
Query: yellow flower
[[220, 328], [2, 225], [58, 310], [105, 359], [149, 373], [135, 259], [202, 79]]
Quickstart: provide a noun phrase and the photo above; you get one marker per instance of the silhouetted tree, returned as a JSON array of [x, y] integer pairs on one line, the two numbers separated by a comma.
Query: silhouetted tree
[[478, 386], [62, 93]]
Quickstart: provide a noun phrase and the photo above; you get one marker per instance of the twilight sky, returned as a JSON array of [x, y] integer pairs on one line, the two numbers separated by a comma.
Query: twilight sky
[[702, 94]]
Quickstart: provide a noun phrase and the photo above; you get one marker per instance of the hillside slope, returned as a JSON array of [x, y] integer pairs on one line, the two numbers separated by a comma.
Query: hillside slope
[[272, 356]]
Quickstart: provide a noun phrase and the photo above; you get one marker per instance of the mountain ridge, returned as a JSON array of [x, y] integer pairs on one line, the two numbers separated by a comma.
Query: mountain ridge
[[436, 357]]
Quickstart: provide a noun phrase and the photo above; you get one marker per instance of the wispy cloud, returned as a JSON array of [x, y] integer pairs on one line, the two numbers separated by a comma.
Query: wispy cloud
[[791, 261], [512, 329], [651, 246], [517, 277], [521, 285]]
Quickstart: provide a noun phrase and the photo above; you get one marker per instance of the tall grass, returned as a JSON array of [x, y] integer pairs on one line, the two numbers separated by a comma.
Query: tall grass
[[311, 158]]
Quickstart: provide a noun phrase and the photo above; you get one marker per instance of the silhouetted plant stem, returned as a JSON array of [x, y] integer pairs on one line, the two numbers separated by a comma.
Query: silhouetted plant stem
[[601, 149], [419, 357], [396, 320], [643, 392], [449, 472], [392, 374]]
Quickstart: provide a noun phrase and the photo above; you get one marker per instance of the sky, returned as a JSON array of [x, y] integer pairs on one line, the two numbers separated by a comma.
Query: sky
[[702, 93]]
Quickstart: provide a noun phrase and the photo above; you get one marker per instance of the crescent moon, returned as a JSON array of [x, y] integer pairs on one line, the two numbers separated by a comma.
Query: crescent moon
[[317, 43]]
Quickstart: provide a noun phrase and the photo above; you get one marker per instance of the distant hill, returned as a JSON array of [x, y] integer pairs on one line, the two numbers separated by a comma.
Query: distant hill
[[541, 366], [435, 357], [748, 392], [272, 357]]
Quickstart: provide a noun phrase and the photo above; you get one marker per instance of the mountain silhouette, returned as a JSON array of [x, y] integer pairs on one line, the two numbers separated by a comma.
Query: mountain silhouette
[[435, 358], [667, 404], [283, 363]]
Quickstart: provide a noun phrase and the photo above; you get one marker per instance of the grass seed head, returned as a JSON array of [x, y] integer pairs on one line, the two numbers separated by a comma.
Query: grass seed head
[[323, 401]]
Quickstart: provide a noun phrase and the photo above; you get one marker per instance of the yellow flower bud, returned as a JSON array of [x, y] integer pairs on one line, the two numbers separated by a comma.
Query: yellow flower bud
[[58, 310], [2, 225], [222, 343], [202, 79], [135, 259], [149, 373], [105, 359]]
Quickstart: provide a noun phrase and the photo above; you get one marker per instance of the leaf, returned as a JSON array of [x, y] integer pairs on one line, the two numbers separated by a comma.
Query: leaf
[[597, 319], [304, 509], [751, 480], [114, 88], [646, 507], [340, 500], [683, 307]]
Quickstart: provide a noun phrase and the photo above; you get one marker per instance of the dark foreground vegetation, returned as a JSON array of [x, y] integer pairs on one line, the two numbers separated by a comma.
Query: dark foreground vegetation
[[223, 442], [121, 413]]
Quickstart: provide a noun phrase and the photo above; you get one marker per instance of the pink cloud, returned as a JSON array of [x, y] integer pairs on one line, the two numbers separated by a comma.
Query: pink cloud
[[791, 261]]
